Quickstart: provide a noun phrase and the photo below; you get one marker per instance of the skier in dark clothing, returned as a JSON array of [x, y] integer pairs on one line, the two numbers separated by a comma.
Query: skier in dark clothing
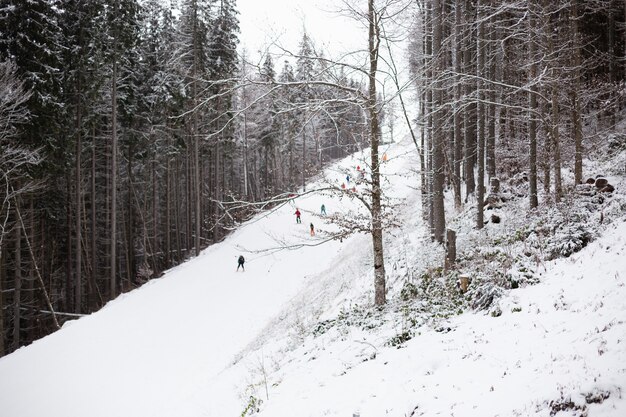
[[297, 213], [312, 230], [240, 262]]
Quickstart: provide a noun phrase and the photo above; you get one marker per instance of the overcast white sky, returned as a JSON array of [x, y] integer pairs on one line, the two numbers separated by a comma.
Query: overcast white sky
[[265, 21]]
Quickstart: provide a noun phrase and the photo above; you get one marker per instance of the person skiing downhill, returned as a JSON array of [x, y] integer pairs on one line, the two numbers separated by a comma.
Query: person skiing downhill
[[323, 210], [297, 213], [240, 263], [312, 230]]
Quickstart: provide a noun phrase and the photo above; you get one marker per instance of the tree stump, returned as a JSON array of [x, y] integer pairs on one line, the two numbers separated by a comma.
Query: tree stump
[[464, 282], [450, 249], [494, 185]]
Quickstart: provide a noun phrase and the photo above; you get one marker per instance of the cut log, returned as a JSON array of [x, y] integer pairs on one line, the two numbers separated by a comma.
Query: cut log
[[601, 182], [607, 189]]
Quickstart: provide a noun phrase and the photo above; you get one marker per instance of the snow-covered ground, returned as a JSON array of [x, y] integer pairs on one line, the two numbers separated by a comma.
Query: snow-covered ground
[[205, 340], [557, 342]]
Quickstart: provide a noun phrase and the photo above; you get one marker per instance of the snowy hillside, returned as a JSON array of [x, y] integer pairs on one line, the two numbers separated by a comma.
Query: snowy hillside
[[206, 340], [558, 345], [148, 352]]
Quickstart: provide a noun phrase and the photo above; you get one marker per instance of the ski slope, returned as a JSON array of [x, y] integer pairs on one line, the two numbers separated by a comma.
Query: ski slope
[[165, 349]]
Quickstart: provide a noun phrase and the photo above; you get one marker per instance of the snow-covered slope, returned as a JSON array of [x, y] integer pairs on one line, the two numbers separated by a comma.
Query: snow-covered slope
[[205, 340], [162, 350], [558, 349]]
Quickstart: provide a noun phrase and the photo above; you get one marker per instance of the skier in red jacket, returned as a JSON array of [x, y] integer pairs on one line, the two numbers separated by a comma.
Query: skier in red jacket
[[297, 213]]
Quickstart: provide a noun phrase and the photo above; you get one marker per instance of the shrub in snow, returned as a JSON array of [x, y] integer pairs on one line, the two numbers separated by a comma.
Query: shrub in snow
[[323, 326], [520, 276], [253, 406], [518, 185], [596, 396], [495, 311], [399, 339], [568, 240], [484, 295], [408, 292], [617, 142], [568, 407]]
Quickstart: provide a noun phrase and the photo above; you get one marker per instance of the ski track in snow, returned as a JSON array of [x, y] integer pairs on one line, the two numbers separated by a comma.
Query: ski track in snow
[[190, 343]]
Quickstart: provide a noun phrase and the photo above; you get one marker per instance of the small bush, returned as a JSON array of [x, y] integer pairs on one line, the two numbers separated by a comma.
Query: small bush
[[569, 240], [484, 296], [253, 406], [408, 291], [399, 339], [617, 142]]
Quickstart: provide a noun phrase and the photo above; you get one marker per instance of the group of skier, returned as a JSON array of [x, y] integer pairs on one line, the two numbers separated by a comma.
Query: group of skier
[[241, 260], [311, 226], [361, 174], [360, 177]]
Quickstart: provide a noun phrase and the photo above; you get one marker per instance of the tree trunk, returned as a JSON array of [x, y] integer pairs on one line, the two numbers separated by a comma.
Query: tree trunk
[[491, 107], [450, 249], [94, 252], [78, 196], [130, 223], [28, 290], [458, 138], [554, 127], [556, 145], [576, 122], [380, 291], [480, 67], [470, 114], [154, 241], [439, 219], [168, 207], [113, 260], [196, 176], [547, 149], [2, 329], [423, 161], [178, 212], [428, 148], [17, 288], [532, 104], [613, 99], [245, 151], [68, 255]]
